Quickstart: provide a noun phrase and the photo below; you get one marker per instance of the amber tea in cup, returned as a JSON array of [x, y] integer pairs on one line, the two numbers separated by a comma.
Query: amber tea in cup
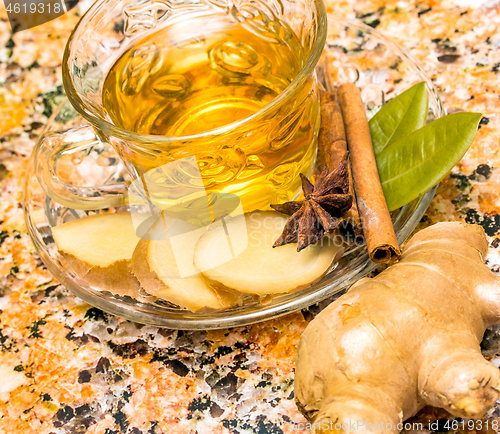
[[184, 82]]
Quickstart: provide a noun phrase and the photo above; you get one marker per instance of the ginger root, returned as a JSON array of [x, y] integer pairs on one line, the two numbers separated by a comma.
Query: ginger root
[[407, 338]]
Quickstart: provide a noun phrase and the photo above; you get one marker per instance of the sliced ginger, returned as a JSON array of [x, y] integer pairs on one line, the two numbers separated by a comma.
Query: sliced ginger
[[245, 261], [106, 252], [99, 249], [158, 270]]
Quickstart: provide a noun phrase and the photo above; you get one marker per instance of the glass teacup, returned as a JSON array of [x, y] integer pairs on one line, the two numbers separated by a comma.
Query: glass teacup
[[250, 117]]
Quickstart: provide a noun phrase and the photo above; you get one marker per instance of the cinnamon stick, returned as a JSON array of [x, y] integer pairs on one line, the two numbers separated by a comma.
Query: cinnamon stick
[[377, 224], [332, 147], [332, 144]]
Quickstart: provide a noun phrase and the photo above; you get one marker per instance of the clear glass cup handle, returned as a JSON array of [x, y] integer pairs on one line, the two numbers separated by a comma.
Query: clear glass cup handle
[[50, 148]]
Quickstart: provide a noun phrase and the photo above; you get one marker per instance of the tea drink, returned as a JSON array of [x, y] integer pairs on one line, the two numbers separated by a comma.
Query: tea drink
[[203, 74]]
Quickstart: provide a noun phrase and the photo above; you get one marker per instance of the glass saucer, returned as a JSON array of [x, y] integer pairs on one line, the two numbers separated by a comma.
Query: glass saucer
[[359, 54]]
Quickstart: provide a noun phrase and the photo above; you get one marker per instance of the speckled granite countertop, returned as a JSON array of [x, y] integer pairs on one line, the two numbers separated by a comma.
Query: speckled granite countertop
[[66, 367]]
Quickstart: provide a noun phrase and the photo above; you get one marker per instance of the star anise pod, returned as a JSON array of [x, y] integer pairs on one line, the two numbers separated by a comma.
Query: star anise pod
[[323, 204]]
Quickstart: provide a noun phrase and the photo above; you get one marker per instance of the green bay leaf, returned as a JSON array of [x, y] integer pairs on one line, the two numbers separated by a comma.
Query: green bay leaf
[[417, 162], [399, 117]]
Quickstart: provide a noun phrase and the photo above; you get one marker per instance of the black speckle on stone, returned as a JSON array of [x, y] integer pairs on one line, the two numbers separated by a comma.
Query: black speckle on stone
[[315, 309], [177, 367], [462, 182], [226, 386], [495, 243], [286, 418], [34, 328], [65, 414], [71, 336], [482, 172], [134, 430], [19, 368], [111, 431], [241, 346], [200, 404], [10, 45], [239, 362], [83, 425], [222, 351], [34, 65], [46, 397], [118, 375], [51, 100], [484, 121], [235, 397], [152, 430], [262, 384], [444, 46], [127, 394], [131, 349], [373, 24], [212, 378], [118, 27], [423, 12], [121, 419], [496, 67], [14, 270], [50, 289], [265, 426], [291, 396], [166, 333], [365, 15], [491, 341], [215, 410], [472, 216], [229, 423], [103, 365], [274, 403], [448, 58], [83, 410], [307, 314], [5, 341], [425, 219], [3, 171], [267, 376], [94, 314], [84, 376], [489, 222], [206, 360], [3, 236], [36, 125]]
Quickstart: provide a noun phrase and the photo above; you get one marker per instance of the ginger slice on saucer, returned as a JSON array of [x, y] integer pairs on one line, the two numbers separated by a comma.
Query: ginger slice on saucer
[[165, 270], [238, 255], [99, 249]]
